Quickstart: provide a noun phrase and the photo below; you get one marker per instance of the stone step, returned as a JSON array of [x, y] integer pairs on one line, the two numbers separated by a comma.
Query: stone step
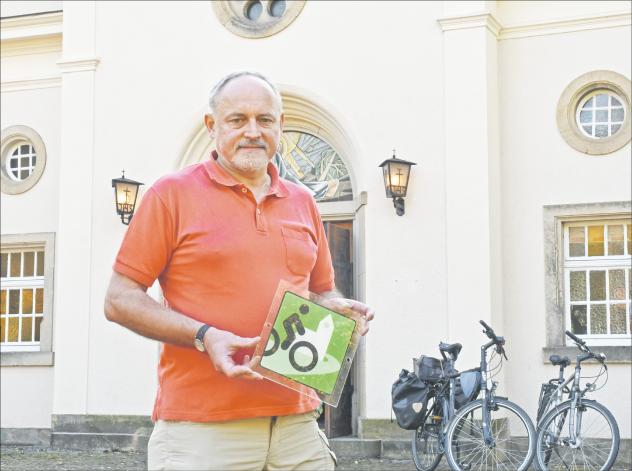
[[99, 441]]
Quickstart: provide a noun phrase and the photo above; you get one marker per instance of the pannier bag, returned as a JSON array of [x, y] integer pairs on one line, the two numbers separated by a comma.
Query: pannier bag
[[428, 368], [467, 388], [410, 398]]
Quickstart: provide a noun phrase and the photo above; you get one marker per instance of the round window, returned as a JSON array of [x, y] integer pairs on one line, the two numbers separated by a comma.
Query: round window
[[257, 18], [593, 112], [21, 162], [600, 114], [23, 159]]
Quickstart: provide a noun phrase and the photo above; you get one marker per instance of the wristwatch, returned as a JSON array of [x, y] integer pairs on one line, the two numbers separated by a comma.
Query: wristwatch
[[199, 338]]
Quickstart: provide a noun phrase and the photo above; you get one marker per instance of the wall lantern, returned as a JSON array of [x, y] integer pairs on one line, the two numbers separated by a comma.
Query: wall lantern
[[125, 193], [396, 173]]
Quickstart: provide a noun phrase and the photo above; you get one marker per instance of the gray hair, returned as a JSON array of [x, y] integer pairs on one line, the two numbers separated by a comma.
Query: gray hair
[[215, 91]]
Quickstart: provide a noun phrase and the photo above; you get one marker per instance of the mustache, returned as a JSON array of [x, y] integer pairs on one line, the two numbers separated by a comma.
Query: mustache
[[252, 144]]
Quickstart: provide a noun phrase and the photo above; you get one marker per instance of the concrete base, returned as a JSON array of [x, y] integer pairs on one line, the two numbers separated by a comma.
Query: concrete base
[[379, 439]]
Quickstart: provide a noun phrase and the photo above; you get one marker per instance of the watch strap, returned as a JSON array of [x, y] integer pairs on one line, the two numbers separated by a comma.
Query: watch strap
[[200, 333]]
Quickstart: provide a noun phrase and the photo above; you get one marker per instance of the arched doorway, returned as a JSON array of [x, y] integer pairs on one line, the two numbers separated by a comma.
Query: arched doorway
[[317, 153]]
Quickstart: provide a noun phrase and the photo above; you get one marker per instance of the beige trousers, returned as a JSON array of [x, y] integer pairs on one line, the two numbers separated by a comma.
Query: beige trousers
[[291, 442]]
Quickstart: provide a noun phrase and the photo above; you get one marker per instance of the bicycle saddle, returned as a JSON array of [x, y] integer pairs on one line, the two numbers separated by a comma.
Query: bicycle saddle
[[450, 348], [558, 360]]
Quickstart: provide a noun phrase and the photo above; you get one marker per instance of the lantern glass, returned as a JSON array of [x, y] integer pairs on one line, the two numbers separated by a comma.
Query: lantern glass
[[397, 178], [126, 197]]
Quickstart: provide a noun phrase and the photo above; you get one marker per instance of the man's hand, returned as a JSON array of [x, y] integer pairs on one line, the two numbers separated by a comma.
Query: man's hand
[[222, 345], [367, 313]]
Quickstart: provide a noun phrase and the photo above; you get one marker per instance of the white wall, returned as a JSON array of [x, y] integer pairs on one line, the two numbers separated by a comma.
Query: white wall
[[26, 399], [538, 169]]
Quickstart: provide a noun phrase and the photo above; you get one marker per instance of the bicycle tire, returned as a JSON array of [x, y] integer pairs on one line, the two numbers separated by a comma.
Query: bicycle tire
[[465, 446], [426, 446], [553, 453]]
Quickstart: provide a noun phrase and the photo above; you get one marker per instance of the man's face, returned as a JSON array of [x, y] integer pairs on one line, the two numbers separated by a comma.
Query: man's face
[[246, 124]]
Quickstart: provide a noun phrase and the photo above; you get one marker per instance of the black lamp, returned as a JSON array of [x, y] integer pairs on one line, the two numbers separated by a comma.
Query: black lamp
[[396, 177], [125, 194]]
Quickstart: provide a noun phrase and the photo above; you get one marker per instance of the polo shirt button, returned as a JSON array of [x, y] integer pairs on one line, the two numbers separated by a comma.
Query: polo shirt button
[[244, 190], [258, 211]]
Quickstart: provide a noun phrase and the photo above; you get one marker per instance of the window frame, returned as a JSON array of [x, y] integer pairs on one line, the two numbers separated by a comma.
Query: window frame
[[16, 355], [605, 262], [20, 135], [555, 219]]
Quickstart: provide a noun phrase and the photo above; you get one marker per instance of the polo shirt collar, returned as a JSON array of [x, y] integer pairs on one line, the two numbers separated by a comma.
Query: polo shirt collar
[[221, 176]]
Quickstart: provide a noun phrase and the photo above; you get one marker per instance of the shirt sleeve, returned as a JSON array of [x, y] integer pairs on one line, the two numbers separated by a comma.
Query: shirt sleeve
[[322, 278], [148, 243]]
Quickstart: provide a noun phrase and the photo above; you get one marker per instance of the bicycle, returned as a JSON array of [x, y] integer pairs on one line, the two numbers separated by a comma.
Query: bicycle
[[477, 435], [427, 441], [578, 433], [491, 432]]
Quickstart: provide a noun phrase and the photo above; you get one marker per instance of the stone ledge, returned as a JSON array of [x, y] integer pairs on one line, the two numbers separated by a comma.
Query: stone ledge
[[117, 424], [382, 429], [614, 355], [27, 359], [352, 447], [99, 441], [25, 436]]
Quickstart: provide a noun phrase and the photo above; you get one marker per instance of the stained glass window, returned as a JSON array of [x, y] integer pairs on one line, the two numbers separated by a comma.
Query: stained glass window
[[312, 162]]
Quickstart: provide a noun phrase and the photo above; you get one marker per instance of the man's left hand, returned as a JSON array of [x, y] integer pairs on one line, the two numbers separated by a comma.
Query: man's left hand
[[367, 313]]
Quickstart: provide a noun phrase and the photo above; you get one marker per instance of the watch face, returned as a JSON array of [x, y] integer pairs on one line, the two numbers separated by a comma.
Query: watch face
[[199, 345]]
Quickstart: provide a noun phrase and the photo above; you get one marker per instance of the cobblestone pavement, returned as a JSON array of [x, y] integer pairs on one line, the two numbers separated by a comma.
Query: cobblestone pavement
[[38, 459]]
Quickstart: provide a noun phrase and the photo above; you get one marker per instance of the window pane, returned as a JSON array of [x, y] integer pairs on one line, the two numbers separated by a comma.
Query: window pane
[[598, 319], [40, 263], [24, 149], [39, 300], [595, 241], [3, 321], [16, 261], [601, 130], [38, 321], [602, 100], [602, 116], [24, 174], [576, 247], [27, 329], [13, 329], [614, 128], [588, 130], [598, 285], [578, 286], [616, 279], [27, 301], [588, 104], [617, 319], [615, 240], [617, 114], [4, 261], [3, 301], [578, 319], [14, 301], [29, 264], [25, 162], [585, 116]]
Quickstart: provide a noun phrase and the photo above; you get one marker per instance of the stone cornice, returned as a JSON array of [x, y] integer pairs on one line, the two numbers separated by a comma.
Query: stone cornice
[[482, 20], [566, 26], [78, 65], [487, 20], [31, 26], [30, 84]]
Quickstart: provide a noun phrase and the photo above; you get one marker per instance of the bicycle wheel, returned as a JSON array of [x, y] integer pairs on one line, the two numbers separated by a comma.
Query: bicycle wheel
[[512, 432], [595, 447], [427, 448]]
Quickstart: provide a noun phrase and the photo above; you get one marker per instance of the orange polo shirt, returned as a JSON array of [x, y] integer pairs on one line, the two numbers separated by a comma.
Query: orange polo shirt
[[219, 257]]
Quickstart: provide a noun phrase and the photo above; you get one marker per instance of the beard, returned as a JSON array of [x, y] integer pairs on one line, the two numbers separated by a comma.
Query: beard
[[250, 161]]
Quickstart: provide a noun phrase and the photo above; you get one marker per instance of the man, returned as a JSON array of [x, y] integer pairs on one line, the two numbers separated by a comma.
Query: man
[[219, 236]]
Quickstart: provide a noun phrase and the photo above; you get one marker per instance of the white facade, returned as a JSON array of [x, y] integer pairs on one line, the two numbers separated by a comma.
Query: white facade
[[468, 90]]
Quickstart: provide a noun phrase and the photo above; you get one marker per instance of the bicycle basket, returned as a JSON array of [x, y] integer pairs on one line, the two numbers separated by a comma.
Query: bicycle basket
[[428, 368], [467, 388], [546, 392], [410, 399]]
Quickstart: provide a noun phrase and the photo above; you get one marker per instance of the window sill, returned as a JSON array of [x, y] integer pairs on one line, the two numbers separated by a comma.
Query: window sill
[[27, 359], [620, 354]]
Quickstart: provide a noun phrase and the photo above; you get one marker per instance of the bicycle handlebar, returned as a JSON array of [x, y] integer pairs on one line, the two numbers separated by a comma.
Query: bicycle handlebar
[[498, 341], [581, 344], [575, 338]]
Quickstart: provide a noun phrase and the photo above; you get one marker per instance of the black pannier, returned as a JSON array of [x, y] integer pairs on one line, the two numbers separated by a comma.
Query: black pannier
[[410, 399], [467, 388], [429, 369]]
